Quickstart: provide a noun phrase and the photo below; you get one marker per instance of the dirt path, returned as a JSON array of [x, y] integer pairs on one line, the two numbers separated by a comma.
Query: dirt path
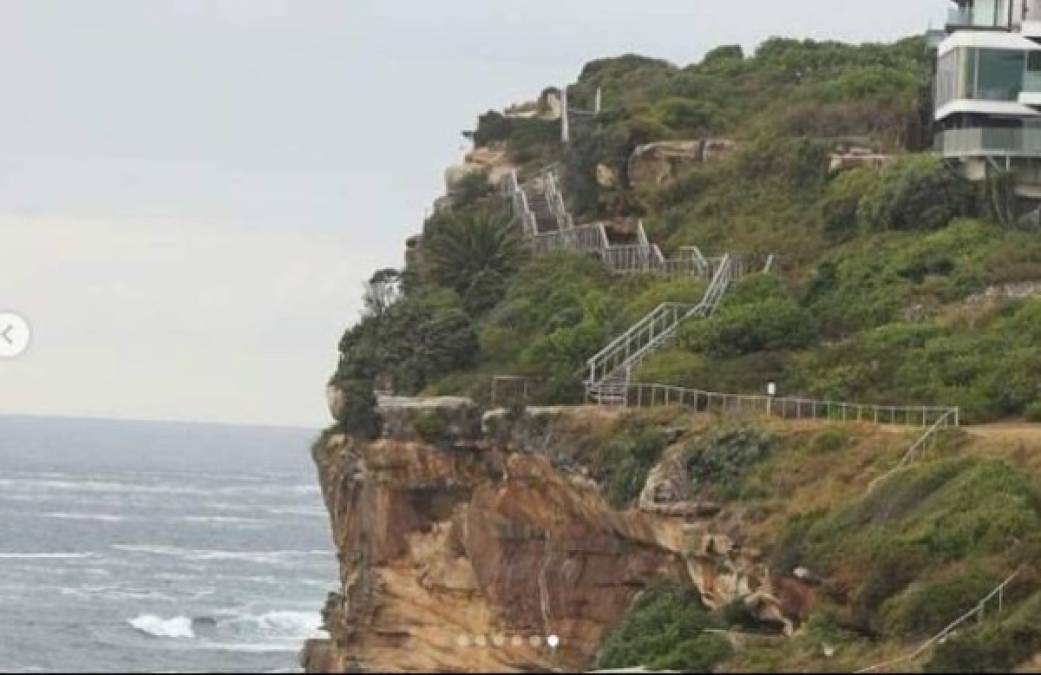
[[1008, 431]]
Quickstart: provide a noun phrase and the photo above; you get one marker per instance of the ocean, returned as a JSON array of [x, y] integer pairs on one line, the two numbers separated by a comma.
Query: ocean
[[139, 546]]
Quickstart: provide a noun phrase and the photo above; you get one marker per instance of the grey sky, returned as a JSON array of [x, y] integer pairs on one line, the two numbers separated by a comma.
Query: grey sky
[[192, 192]]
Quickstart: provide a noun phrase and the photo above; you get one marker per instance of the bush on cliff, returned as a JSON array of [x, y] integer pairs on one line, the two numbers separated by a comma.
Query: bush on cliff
[[759, 316], [360, 417], [915, 193], [623, 465], [419, 338], [665, 630], [719, 460]]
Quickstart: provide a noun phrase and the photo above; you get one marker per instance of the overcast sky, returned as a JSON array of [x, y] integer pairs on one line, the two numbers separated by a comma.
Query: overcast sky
[[192, 191]]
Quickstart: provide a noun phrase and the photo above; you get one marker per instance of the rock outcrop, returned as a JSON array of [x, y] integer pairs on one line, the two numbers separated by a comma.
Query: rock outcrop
[[658, 163], [491, 160], [466, 554]]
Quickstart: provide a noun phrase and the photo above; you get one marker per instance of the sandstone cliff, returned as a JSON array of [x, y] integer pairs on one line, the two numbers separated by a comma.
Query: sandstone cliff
[[465, 555]]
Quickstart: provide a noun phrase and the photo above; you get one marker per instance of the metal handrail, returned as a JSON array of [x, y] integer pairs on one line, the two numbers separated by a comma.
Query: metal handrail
[[655, 329], [979, 610], [912, 453], [640, 394]]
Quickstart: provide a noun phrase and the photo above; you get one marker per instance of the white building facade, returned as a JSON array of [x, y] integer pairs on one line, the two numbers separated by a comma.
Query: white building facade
[[988, 90]]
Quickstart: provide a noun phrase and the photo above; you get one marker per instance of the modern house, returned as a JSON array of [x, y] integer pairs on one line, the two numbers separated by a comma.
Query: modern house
[[988, 91]]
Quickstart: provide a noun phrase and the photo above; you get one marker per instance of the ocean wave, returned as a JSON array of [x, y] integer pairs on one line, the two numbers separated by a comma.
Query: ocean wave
[[277, 627], [45, 556], [274, 631], [288, 624], [179, 627]]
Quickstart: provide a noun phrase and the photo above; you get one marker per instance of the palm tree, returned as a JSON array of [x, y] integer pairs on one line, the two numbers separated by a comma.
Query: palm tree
[[472, 254]]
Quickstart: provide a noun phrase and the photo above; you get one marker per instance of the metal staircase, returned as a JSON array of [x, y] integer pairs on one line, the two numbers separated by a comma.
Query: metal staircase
[[610, 370], [539, 209]]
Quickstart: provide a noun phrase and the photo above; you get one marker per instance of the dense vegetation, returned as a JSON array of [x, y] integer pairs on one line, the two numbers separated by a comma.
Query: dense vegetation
[[877, 264]]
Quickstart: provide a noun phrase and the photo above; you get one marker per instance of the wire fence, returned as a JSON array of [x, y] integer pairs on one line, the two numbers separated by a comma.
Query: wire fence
[[641, 395]]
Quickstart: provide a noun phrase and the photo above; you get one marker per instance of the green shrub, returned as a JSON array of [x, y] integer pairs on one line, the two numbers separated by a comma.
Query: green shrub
[[665, 630], [759, 316], [724, 456], [432, 427], [1033, 412], [917, 521], [673, 367], [687, 115], [994, 647], [360, 417], [420, 338], [680, 289], [838, 207], [915, 193], [929, 605], [830, 440], [623, 464]]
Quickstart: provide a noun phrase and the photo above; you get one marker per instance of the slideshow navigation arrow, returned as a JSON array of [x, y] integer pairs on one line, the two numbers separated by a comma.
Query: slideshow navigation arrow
[[14, 335]]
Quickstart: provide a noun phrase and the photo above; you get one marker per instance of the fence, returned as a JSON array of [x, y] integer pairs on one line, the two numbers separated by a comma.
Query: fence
[[510, 390], [638, 395], [583, 239]]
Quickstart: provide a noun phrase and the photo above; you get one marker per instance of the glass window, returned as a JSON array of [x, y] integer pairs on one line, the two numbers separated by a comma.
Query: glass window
[[946, 78], [967, 73], [1000, 74]]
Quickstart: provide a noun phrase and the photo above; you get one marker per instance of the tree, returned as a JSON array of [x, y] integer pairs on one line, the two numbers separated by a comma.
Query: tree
[[382, 290], [463, 249], [360, 417]]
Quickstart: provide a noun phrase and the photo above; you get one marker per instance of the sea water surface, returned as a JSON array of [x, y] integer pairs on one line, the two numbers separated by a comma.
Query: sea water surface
[[155, 546]]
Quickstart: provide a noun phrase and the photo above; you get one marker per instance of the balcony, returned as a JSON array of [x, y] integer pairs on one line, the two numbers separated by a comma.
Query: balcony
[[958, 18], [989, 142]]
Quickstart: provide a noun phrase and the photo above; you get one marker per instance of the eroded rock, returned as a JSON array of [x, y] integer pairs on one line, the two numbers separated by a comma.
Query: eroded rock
[[658, 163]]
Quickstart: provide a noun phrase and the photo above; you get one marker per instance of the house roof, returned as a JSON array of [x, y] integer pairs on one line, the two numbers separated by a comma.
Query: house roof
[[988, 39], [1001, 108]]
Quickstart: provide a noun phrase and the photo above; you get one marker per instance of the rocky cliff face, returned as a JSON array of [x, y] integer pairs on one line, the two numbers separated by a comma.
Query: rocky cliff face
[[466, 555]]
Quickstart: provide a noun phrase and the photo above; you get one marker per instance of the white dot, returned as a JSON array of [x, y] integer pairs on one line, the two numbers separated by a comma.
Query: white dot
[[463, 641], [481, 641], [517, 641], [535, 641], [553, 641], [499, 640]]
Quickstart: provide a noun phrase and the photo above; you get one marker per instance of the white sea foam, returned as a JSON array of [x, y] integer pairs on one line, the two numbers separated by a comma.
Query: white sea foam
[[179, 627], [195, 555], [96, 517], [288, 624]]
